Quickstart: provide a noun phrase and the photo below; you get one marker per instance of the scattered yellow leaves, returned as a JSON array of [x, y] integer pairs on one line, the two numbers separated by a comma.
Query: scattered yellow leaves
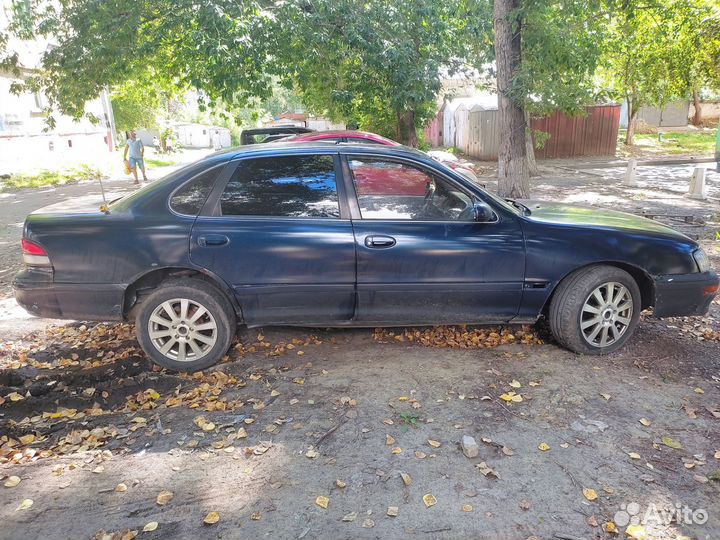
[[322, 501], [699, 390], [636, 531], [429, 500], [164, 497], [211, 518], [544, 446], [590, 494], [204, 424], [511, 397]]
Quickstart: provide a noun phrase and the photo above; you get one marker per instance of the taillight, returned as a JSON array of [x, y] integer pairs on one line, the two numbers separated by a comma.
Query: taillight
[[34, 254]]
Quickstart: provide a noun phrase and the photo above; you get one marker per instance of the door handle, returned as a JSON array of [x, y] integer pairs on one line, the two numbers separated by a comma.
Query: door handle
[[379, 241], [212, 240]]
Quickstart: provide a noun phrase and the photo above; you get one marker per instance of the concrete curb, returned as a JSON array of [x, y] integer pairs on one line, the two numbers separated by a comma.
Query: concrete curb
[[642, 163]]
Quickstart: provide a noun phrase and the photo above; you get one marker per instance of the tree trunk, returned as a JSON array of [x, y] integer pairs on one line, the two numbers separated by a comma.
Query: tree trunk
[[530, 148], [697, 118], [513, 179], [406, 128], [633, 110]]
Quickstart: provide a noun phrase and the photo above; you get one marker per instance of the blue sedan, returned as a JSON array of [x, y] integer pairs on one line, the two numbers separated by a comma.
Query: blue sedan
[[321, 234]]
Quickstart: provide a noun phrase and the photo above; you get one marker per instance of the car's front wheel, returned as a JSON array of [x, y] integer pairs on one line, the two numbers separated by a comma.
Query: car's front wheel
[[185, 325], [595, 310]]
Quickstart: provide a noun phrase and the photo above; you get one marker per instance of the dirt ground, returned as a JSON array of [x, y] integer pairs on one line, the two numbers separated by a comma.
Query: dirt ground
[[373, 422]]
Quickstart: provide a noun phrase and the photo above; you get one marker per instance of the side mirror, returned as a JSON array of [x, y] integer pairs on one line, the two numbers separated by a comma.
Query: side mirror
[[482, 213]]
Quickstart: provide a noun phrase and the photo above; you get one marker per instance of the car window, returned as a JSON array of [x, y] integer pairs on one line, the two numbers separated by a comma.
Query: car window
[[360, 140], [291, 186], [191, 197], [393, 190]]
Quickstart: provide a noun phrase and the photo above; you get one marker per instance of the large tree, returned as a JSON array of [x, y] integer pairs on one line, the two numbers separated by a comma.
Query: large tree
[[659, 51], [356, 60]]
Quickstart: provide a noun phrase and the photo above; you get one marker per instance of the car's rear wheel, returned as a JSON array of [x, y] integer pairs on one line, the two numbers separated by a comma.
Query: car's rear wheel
[[185, 325], [595, 310]]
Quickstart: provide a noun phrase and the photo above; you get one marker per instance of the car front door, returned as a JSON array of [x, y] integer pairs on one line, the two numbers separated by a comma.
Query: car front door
[[276, 233], [422, 257]]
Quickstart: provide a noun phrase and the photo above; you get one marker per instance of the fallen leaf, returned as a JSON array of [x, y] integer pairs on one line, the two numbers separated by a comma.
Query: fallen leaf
[[434, 444], [352, 516], [667, 441], [256, 516], [636, 531], [467, 508], [429, 500], [164, 497], [592, 521], [486, 470], [392, 511], [299, 380], [590, 494], [397, 450], [564, 445], [339, 483], [368, 524], [311, 453], [634, 455], [27, 439], [211, 518], [606, 396], [700, 478], [422, 455], [645, 422], [515, 384], [121, 488], [128, 535], [406, 478], [544, 447], [699, 390], [525, 504], [150, 526], [12, 482], [389, 440], [610, 527], [27, 503], [322, 501], [717, 454]]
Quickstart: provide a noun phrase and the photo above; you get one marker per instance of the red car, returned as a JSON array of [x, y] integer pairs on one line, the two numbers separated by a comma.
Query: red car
[[372, 180]]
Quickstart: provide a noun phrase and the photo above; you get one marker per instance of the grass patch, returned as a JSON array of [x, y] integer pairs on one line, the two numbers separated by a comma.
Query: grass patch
[[675, 143], [154, 162], [49, 178]]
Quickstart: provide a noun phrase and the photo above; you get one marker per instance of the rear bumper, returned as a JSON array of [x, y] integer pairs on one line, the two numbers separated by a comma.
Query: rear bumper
[[685, 294], [39, 296]]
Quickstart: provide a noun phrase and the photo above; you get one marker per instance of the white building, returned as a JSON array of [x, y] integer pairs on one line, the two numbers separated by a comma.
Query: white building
[[193, 135], [26, 144]]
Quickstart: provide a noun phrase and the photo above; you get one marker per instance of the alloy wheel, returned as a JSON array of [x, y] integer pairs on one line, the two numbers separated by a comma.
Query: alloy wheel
[[606, 314], [182, 329]]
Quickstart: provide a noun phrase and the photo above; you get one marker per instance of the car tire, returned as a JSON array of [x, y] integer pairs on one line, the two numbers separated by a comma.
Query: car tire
[[595, 310], [185, 325]]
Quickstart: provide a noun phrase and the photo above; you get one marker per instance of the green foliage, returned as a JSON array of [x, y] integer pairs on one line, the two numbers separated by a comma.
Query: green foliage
[[679, 143], [409, 419], [50, 178]]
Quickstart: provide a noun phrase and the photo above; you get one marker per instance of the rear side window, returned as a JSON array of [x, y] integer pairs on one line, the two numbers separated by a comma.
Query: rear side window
[[191, 197], [286, 186]]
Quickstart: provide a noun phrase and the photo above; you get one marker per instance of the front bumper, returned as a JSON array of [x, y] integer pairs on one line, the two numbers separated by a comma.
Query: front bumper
[[685, 294], [40, 296]]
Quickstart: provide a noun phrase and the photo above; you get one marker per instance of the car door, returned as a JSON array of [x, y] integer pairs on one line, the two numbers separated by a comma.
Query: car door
[[276, 233], [421, 255]]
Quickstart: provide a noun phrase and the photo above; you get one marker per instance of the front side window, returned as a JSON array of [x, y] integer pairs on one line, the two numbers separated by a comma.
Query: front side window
[[393, 190], [284, 186], [191, 197]]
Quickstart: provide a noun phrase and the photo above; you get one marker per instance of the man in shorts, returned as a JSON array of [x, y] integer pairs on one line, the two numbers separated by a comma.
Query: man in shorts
[[134, 152]]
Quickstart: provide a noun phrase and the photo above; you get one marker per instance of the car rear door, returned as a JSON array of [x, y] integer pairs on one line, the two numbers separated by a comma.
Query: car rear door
[[422, 258], [278, 232]]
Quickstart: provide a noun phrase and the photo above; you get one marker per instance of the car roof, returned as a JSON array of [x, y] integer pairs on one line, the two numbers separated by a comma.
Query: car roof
[[306, 147]]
